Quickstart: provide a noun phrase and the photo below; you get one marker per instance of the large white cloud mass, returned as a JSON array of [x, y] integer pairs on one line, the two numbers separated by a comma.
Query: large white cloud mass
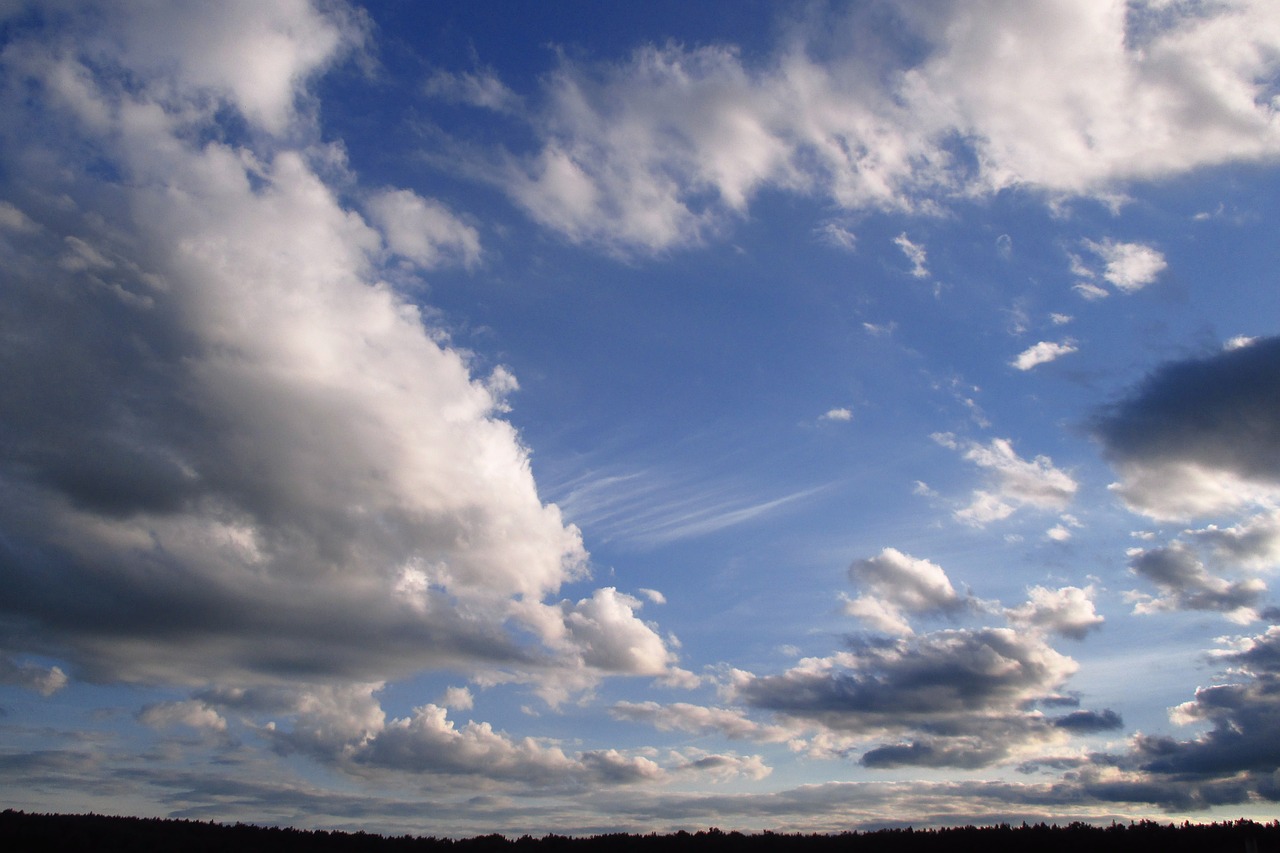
[[230, 450], [1071, 97]]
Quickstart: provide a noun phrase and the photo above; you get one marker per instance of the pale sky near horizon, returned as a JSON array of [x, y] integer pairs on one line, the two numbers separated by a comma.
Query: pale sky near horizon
[[467, 417]]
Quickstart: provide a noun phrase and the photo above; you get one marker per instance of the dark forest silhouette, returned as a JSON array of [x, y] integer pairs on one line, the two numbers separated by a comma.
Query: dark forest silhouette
[[21, 832]]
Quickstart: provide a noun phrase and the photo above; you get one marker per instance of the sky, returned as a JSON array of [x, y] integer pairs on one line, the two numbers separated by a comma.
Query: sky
[[469, 417]]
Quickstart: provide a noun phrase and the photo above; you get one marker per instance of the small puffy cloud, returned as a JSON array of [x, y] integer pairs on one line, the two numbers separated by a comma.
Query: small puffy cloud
[[1128, 266], [895, 584], [1186, 584], [1060, 319], [458, 699], [43, 680], [193, 713], [1067, 611], [1239, 342], [840, 414], [1042, 353], [423, 230], [915, 254], [1199, 436], [653, 595], [1016, 482]]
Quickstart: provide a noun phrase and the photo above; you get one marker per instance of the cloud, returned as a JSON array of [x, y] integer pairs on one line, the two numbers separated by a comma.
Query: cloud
[[836, 236], [1129, 266], [1232, 762], [1017, 482], [1067, 611], [482, 89], [838, 415], [423, 230], [232, 452], [1042, 353], [915, 253], [896, 584], [43, 680], [1187, 585], [668, 147], [682, 716], [192, 713], [960, 696], [1199, 436]]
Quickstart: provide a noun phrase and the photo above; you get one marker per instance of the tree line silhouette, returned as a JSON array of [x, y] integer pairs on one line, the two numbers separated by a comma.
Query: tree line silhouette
[[21, 832]]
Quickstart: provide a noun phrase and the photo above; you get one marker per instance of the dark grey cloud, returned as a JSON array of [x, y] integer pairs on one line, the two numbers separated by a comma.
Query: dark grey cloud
[[1186, 584], [961, 697], [1199, 435], [1090, 721]]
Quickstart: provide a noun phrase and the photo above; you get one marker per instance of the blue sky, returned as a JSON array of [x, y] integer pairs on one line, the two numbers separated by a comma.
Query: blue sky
[[465, 417]]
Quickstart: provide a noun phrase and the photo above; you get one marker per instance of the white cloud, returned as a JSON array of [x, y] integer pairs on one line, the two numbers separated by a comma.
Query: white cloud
[[666, 147], [915, 253], [837, 236], [840, 414], [193, 713], [1239, 341], [1017, 482], [1090, 291], [458, 699], [1068, 611], [423, 230], [1129, 266], [1042, 353], [289, 458], [895, 584], [482, 89]]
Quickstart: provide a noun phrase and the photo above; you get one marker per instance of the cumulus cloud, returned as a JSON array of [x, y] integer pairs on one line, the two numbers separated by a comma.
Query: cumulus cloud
[[1186, 584], [1067, 611], [1016, 482], [45, 680], [1042, 353], [193, 713], [840, 414], [1232, 762], [959, 695], [232, 452], [895, 584], [1199, 436], [666, 147], [1128, 266], [423, 230]]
